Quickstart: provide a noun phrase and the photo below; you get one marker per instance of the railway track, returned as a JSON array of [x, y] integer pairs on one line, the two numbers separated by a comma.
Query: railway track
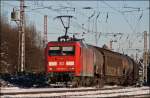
[[120, 92], [11, 91]]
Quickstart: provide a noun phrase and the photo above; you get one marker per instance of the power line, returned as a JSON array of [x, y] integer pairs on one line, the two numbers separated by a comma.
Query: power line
[[122, 15]]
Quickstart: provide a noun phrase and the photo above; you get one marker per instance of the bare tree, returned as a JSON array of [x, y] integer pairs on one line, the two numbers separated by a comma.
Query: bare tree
[[9, 48]]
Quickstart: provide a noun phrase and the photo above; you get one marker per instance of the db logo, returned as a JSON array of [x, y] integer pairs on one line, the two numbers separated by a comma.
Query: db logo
[[61, 63]]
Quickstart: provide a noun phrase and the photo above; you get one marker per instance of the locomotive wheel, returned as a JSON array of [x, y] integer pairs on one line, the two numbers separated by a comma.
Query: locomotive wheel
[[88, 82], [83, 81], [76, 82], [122, 80], [99, 83]]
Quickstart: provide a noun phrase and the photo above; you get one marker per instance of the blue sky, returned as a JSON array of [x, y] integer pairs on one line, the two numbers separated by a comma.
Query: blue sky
[[131, 24]]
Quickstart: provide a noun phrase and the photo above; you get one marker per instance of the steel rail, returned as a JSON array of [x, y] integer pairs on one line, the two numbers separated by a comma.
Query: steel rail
[[81, 92], [35, 91]]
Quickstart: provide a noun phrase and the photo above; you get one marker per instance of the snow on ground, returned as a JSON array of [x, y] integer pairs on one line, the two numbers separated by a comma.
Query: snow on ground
[[16, 89], [127, 91], [116, 93], [5, 83], [9, 88]]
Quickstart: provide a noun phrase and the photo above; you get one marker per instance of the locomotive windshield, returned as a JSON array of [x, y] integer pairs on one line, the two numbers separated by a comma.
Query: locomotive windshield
[[61, 50]]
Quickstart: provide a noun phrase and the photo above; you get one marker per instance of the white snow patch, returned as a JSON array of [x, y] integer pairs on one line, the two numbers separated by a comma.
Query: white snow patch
[[99, 93]]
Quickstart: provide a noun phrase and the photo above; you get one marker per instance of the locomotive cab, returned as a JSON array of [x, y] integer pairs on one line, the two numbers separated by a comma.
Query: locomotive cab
[[62, 60]]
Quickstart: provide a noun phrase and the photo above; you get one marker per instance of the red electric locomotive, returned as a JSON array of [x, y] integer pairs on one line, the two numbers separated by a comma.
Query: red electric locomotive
[[62, 60]]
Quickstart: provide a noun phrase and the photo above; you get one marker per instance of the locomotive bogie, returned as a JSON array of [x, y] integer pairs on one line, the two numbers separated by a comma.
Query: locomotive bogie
[[59, 77]]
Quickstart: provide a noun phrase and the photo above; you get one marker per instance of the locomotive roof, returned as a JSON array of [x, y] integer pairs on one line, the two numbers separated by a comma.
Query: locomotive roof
[[63, 41]]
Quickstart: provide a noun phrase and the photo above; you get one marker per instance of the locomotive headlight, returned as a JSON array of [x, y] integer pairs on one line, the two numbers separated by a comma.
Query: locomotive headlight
[[69, 62], [52, 63]]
